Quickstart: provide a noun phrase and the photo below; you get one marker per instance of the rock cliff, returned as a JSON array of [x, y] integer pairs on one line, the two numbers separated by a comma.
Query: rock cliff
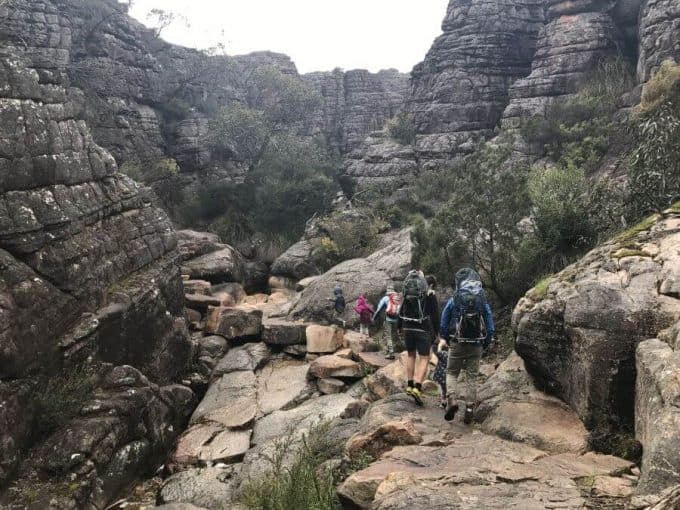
[[585, 339], [89, 266], [498, 63]]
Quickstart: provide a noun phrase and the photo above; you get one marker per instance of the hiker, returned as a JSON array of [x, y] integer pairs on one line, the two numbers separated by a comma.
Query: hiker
[[391, 302], [338, 305], [467, 324], [415, 321], [439, 375], [365, 312]]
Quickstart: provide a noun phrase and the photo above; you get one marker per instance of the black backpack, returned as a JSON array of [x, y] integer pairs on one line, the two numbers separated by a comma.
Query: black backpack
[[413, 298]]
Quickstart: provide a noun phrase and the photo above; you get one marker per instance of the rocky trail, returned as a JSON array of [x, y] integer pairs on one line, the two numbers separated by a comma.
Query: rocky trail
[[268, 379]]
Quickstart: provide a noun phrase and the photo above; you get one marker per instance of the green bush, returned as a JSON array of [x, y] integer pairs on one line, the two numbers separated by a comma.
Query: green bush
[[59, 398], [402, 129], [661, 88], [299, 483]]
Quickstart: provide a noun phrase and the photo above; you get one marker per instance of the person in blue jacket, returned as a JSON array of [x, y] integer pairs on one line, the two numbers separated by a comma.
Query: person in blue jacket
[[467, 324]]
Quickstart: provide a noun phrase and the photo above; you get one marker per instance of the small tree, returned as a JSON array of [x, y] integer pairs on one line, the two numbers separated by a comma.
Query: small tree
[[654, 176], [479, 224]]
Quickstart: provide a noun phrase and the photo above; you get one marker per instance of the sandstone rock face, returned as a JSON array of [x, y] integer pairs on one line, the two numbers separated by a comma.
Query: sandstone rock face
[[657, 421], [210, 488], [570, 45], [659, 34], [461, 88], [579, 340], [234, 323], [125, 429], [323, 339], [89, 266], [356, 102]]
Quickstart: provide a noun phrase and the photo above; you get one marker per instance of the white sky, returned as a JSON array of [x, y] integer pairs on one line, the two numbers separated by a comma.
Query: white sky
[[318, 35]]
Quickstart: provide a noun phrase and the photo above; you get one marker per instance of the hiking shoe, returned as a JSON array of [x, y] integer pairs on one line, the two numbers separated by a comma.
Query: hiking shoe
[[451, 410], [417, 396], [442, 404], [409, 390], [467, 419], [389, 355]]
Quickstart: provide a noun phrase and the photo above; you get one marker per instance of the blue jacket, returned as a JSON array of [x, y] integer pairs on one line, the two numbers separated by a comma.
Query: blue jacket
[[383, 305], [454, 311]]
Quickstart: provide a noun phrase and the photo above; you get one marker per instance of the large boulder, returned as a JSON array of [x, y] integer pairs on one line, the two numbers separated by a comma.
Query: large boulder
[[193, 244], [578, 333], [296, 261], [243, 323], [335, 366], [368, 276], [223, 265], [657, 417], [231, 401], [323, 339], [212, 488]]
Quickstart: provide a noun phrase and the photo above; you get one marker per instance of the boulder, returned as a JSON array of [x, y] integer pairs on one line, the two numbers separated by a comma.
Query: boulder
[[512, 408], [657, 420], [335, 366], [231, 401], [295, 262], [283, 332], [330, 386], [384, 438], [304, 283], [368, 276], [193, 244], [356, 341], [196, 287], [224, 265], [256, 276], [233, 289], [235, 324], [670, 500], [282, 383], [389, 380], [281, 283], [323, 339], [299, 419], [578, 338], [212, 488], [249, 357], [201, 302], [211, 443], [374, 360]]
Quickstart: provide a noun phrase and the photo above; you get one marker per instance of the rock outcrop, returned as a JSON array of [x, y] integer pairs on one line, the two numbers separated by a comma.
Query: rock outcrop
[[89, 269], [355, 103], [579, 339]]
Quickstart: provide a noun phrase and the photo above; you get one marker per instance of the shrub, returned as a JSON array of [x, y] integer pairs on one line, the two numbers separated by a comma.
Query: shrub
[[59, 398], [664, 86], [402, 128], [299, 483]]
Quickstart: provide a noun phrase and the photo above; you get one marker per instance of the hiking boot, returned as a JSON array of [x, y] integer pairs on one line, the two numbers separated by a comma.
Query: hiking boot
[[409, 390], [417, 396], [389, 355], [467, 419], [451, 409]]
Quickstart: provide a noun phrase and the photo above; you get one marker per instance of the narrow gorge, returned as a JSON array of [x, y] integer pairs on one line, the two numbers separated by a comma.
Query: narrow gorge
[[174, 222]]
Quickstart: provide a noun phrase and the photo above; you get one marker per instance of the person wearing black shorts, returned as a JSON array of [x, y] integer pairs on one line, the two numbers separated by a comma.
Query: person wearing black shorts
[[418, 338]]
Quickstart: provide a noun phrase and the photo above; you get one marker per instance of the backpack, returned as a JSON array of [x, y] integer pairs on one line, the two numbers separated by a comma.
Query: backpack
[[366, 316], [393, 304], [413, 298], [469, 297], [339, 303]]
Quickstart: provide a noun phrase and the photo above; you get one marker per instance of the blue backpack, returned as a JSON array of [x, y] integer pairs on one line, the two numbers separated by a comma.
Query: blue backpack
[[470, 300]]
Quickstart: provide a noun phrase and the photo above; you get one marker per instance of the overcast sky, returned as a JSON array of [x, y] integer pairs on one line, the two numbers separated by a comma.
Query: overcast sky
[[318, 35]]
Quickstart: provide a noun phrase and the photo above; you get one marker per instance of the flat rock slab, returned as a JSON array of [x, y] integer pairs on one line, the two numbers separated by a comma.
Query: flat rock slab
[[245, 357], [547, 424], [335, 366], [330, 386], [281, 383], [211, 443], [231, 401], [299, 419], [323, 339], [200, 302], [197, 287], [283, 332], [373, 359], [242, 323], [224, 265], [210, 488]]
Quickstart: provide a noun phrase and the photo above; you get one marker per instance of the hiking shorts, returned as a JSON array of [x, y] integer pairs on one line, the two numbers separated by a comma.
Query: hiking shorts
[[417, 340]]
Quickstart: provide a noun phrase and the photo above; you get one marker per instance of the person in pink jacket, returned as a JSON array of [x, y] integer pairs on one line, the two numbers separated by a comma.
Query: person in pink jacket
[[365, 312]]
